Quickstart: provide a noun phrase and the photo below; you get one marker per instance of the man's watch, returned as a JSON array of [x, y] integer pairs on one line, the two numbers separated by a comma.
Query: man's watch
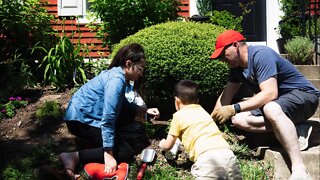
[[237, 107]]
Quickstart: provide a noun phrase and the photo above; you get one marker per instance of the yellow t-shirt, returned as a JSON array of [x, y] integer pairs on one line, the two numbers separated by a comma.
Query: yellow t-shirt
[[196, 130]]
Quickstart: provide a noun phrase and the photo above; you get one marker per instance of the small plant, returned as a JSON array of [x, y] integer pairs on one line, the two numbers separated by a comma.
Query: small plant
[[63, 64], [9, 109], [20, 169], [300, 50], [49, 109]]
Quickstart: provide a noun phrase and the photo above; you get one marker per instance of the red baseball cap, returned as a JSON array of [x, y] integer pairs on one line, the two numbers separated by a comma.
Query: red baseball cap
[[224, 39]]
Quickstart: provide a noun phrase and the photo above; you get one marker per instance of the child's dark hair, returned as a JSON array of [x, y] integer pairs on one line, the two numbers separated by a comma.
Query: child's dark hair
[[187, 91], [133, 52]]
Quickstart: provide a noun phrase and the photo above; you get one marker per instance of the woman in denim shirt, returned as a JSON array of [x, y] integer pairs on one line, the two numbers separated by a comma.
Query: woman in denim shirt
[[94, 109]]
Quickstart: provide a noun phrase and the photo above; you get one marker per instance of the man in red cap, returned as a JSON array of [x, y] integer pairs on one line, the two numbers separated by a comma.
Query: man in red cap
[[283, 97]]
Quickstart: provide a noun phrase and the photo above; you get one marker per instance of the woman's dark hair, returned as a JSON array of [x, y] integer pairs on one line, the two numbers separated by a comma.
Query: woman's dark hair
[[187, 91], [133, 52]]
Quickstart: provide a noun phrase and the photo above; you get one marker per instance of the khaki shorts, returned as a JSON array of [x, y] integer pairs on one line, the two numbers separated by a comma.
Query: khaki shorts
[[216, 164]]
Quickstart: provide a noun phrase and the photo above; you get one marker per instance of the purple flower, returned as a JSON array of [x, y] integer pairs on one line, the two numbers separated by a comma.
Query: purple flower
[[18, 98], [12, 98], [3, 110]]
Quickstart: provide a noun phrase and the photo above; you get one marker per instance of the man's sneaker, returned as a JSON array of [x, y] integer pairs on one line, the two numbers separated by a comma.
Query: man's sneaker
[[300, 175], [304, 131]]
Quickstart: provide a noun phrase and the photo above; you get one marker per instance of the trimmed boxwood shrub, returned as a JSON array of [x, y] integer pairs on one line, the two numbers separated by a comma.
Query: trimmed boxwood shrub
[[175, 51]]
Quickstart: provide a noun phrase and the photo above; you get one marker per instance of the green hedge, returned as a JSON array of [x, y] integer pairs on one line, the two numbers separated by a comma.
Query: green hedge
[[175, 51]]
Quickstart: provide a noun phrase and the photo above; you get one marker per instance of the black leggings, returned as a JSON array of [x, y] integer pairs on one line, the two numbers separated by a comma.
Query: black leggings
[[125, 147], [123, 152], [86, 132]]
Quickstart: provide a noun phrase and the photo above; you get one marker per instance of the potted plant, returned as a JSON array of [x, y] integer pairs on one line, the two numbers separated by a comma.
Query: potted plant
[[290, 23], [300, 50]]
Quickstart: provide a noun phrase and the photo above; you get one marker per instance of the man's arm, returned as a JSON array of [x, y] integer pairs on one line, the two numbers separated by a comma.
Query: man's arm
[[226, 96], [268, 92]]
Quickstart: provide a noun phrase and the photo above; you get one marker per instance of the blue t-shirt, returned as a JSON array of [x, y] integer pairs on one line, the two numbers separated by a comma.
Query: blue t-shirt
[[264, 63], [98, 102]]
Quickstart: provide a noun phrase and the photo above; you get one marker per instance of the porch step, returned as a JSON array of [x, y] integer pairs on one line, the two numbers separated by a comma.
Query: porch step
[[310, 71], [271, 152], [280, 162]]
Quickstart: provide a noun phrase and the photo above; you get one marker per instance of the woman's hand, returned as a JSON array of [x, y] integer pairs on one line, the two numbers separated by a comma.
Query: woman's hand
[[154, 112], [110, 164]]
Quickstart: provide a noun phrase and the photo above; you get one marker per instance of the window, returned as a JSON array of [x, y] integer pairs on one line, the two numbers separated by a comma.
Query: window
[[78, 8]]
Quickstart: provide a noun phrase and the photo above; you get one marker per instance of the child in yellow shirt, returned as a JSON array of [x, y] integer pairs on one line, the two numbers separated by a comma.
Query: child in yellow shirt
[[200, 136]]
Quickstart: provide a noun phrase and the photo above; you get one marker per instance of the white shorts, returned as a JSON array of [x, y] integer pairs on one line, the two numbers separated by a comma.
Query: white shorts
[[216, 164]]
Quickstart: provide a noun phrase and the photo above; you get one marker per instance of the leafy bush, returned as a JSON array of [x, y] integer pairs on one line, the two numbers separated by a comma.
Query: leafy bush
[[300, 50], [22, 25], [178, 50], [122, 18], [50, 109]]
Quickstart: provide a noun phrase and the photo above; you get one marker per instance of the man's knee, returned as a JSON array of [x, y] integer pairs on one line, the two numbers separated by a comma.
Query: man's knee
[[272, 111], [240, 120]]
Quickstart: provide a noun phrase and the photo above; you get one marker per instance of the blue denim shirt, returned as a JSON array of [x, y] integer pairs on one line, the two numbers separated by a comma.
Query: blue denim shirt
[[98, 102]]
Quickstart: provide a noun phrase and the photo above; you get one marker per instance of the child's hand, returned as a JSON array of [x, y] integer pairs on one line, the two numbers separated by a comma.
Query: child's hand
[[161, 144]]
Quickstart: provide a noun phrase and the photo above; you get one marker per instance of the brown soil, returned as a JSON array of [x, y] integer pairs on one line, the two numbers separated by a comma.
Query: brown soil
[[20, 135]]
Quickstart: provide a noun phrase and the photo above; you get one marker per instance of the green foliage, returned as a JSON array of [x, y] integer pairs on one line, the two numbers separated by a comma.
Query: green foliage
[[19, 170], [93, 68], [63, 64], [14, 75], [178, 50], [229, 21], [122, 18], [255, 169], [25, 168], [22, 25], [300, 50], [204, 6], [290, 24], [226, 20], [9, 109], [49, 109], [251, 167]]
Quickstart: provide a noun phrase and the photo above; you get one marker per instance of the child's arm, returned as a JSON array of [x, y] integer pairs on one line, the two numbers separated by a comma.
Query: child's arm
[[168, 143]]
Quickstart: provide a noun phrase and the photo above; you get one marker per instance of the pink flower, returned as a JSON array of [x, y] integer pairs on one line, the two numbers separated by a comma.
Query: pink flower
[[3, 110], [18, 98], [12, 98]]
